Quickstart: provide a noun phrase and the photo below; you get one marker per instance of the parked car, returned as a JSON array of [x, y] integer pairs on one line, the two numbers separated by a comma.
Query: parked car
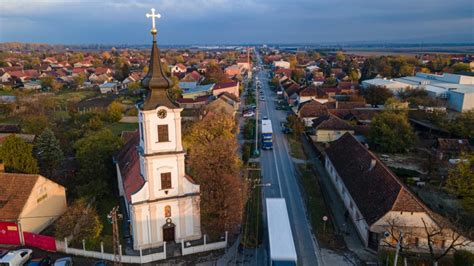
[[3, 252], [265, 117], [248, 114], [16, 257], [262, 98], [44, 261], [100, 263], [66, 261], [287, 130]]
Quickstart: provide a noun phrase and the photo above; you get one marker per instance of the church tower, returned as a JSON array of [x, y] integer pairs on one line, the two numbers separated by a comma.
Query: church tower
[[165, 205]]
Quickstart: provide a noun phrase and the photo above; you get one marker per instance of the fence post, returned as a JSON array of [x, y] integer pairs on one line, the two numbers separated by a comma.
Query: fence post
[[205, 242], [141, 255], [65, 244], [164, 248], [182, 247], [120, 252], [102, 250], [84, 246], [226, 235]]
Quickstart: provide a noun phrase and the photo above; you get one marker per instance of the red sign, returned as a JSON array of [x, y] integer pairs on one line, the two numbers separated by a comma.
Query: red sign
[[9, 234], [43, 242]]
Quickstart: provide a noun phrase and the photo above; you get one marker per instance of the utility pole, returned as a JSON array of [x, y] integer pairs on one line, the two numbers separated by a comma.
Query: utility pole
[[399, 242], [257, 99], [114, 216]]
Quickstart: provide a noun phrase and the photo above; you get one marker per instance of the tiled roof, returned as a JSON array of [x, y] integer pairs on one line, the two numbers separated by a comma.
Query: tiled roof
[[10, 128], [332, 122], [312, 109], [375, 190], [453, 145], [358, 114], [223, 85], [204, 98], [129, 165], [309, 91], [15, 189], [230, 96]]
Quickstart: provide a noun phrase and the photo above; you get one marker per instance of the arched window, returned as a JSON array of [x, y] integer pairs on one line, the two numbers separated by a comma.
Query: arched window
[[167, 211]]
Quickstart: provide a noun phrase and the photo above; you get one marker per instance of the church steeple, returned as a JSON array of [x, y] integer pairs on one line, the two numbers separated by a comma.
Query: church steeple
[[155, 80]]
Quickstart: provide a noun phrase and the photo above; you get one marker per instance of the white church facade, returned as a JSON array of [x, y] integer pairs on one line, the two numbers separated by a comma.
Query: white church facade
[[162, 202]]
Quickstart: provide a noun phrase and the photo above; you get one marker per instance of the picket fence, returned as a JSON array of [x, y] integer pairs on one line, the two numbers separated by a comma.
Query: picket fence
[[62, 246]]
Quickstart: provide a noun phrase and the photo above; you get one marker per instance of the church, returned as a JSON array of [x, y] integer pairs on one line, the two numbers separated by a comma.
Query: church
[[162, 202]]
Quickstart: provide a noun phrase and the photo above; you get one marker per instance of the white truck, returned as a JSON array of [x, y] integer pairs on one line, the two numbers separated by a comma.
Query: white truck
[[280, 238], [267, 134]]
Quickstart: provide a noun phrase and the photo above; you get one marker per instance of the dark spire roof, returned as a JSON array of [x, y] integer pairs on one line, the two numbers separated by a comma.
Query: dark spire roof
[[156, 82]]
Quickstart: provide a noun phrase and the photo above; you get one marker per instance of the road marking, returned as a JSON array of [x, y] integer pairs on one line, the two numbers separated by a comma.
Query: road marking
[[273, 149]]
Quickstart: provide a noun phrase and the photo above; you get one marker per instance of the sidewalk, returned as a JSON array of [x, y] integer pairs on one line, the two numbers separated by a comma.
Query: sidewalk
[[351, 237]]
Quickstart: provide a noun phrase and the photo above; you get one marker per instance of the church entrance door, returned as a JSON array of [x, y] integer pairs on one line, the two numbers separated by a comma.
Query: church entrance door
[[168, 231]]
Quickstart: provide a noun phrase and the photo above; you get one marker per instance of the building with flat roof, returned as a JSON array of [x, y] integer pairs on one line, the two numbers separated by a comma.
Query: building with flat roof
[[456, 90]]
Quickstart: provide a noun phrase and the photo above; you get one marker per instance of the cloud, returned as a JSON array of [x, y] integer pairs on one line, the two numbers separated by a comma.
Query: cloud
[[235, 21]]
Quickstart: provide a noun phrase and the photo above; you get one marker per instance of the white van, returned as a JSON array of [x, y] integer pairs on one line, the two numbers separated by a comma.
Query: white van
[[16, 257]]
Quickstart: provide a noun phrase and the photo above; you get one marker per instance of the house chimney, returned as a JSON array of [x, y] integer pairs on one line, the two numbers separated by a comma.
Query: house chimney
[[372, 164]]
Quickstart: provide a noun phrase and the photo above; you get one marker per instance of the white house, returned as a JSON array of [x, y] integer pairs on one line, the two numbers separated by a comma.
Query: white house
[[281, 64], [178, 68], [378, 202], [108, 87], [163, 202]]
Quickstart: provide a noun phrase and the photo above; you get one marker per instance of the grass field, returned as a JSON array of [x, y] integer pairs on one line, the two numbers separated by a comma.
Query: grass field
[[118, 127], [252, 223], [296, 148], [317, 208]]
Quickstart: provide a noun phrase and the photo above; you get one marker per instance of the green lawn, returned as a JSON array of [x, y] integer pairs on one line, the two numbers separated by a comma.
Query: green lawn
[[118, 127], [74, 95], [296, 147], [252, 223], [61, 115], [5, 93], [317, 208], [104, 206]]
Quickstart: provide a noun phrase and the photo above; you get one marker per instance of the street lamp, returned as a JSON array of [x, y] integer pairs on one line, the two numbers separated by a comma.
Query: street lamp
[[256, 118]]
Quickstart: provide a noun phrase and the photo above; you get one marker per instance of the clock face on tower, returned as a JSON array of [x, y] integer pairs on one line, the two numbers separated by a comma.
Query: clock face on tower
[[161, 113]]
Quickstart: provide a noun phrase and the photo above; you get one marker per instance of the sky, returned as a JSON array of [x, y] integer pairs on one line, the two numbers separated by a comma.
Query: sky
[[237, 21]]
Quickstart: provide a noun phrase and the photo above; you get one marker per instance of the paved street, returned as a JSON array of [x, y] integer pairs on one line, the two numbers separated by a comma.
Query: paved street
[[278, 169]]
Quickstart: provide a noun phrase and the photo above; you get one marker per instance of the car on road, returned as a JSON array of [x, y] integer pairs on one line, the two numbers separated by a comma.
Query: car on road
[[262, 98], [248, 114], [16, 257], [265, 117], [45, 261], [66, 261]]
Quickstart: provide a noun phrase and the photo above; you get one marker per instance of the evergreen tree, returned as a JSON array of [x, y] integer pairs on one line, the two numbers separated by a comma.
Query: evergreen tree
[[48, 152], [17, 156]]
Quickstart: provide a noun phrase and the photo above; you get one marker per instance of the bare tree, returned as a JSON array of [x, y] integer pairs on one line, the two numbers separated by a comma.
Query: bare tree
[[444, 234]]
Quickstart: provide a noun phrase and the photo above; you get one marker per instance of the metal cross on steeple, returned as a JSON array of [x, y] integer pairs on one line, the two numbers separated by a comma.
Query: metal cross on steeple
[[153, 16]]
